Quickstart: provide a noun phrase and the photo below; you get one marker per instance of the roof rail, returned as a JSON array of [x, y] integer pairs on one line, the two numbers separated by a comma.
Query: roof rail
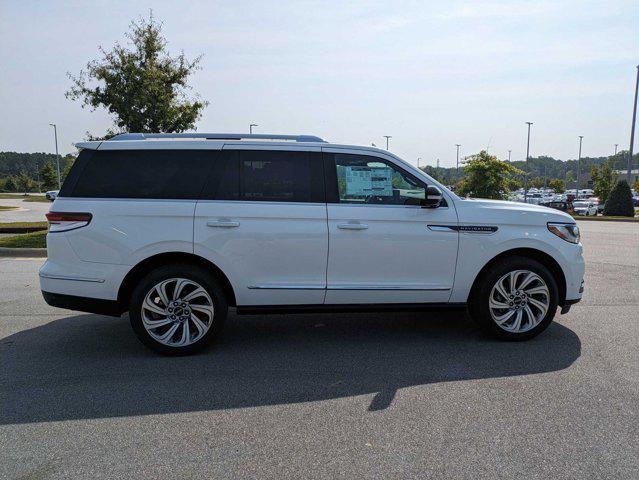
[[217, 136]]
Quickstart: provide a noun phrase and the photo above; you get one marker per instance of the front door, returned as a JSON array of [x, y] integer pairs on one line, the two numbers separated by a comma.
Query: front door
[[383, 246]]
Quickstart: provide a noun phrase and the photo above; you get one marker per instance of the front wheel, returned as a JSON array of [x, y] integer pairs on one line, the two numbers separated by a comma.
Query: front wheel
[[178, 309], [516, 299]]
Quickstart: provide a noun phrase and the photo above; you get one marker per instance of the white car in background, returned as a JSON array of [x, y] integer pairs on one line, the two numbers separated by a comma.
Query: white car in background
[[51, 195], [177, 228], [584, 207]]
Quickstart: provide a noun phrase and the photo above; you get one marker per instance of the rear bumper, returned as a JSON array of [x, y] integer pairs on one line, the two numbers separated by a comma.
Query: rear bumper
[[83, 304]]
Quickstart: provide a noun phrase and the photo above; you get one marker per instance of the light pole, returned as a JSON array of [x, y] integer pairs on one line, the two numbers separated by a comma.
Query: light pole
[[632, 130], [387, 137], [57, 156], [616, 145], [581, 137], [458, 145], [418, 159], [527, 169], [251, 127], [509, 152]]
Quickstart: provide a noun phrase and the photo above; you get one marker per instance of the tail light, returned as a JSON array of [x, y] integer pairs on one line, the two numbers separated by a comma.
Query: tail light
[[65, 221]]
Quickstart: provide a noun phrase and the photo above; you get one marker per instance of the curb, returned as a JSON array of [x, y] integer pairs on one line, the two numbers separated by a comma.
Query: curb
[[23, 252], [595, 219], [18, 230]]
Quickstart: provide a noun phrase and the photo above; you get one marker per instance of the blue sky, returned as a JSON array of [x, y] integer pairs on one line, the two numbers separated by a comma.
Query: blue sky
[[431, 74]]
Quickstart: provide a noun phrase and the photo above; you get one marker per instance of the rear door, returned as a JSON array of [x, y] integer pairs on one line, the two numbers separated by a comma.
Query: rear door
[[384, 247], [262, 220]]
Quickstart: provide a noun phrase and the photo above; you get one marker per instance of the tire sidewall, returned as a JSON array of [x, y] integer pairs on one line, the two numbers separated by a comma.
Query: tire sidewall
[[195, 273], [481, 311]]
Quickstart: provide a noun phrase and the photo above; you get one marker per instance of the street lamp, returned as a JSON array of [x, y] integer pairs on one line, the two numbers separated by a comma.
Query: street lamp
[[458, 145], [418, 159], [581, 137], [509, 152], [387, 137], [57, 156], [632, 130], [527, 169], [251, 127]]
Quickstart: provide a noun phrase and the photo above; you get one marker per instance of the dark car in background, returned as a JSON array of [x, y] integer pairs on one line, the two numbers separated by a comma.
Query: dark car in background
[[557, 205]]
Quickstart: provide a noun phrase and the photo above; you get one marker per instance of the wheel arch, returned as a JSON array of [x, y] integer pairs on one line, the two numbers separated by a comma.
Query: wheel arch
[[538, 255], [150, 263]]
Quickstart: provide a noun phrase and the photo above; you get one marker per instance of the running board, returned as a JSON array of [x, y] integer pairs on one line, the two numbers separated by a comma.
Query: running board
[[353, 308]]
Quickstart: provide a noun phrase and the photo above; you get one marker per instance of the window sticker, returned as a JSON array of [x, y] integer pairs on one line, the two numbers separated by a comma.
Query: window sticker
[[367, 181]]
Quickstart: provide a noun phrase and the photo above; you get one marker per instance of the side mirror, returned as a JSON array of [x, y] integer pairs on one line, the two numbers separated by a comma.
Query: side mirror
[[433, 198]]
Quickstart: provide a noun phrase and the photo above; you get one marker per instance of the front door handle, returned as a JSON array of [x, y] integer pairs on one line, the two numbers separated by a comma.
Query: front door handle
[[352, 226], [223, 224]]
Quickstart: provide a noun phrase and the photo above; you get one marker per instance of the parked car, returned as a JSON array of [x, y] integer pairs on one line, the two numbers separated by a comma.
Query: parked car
[[175, 228], [51, 195], [557, 205], [584, 207]]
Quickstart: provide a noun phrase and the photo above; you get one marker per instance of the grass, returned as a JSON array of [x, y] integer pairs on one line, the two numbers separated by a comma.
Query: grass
[[28, 240], [26, 198], [42, 225], [5, 207]]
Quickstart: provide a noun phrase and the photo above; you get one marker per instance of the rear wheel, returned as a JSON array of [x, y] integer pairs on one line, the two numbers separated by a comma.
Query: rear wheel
[[177, 310], [516, 299]]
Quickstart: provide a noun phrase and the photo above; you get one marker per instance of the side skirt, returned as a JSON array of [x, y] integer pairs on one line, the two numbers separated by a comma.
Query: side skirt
[[354, 308]]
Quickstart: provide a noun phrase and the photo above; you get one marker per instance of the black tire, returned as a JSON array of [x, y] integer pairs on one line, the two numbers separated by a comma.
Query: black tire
[[195, 274], [478, 305]]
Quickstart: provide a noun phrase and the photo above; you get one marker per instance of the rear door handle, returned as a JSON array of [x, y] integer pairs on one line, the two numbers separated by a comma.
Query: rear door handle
[[223, 224], [352, 226]]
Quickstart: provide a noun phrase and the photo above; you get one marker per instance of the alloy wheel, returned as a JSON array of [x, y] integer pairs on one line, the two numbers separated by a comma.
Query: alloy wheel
[[177, 312], [519, 301]]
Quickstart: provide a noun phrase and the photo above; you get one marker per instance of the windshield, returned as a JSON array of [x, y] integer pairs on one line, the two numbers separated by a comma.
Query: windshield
[[579, 204]]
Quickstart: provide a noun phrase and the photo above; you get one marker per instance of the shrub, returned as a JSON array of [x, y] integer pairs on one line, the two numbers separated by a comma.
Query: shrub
[[620, 201]]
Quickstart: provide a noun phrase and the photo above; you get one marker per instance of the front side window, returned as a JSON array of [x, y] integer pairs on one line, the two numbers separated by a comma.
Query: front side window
[[362, 179]]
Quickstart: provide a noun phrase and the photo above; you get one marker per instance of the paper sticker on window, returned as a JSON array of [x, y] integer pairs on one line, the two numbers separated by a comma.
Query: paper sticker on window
[[366, 181]]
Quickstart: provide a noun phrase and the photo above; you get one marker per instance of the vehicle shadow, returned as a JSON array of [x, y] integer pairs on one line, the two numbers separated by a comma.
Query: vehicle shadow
[[89, 366]]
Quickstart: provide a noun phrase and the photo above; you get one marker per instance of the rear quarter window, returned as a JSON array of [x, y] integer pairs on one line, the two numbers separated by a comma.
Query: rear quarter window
[[151, 174]]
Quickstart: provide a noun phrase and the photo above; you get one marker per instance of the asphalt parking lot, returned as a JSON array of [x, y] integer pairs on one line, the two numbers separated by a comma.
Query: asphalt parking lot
[[328, 396]]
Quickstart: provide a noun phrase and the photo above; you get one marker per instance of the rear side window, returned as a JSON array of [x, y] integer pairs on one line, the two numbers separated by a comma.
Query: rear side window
[[267, 176], [152, 174]]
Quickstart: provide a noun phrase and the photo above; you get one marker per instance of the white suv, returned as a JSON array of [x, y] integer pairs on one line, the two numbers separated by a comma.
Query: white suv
[[176, 228]]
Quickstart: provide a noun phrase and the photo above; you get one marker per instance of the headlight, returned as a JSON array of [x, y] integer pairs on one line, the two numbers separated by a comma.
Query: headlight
[[567, 231]]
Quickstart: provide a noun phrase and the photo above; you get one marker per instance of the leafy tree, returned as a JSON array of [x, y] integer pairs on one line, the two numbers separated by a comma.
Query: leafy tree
[[635, 187], [556, 184], [141, 84], [10, 185], [620, 201], [536, 182], [486, 176], [24, 182], [49, 176], [67, 168], [602, 177]]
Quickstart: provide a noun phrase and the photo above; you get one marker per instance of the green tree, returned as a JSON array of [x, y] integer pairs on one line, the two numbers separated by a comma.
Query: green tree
[[602, 178], [536, 182], [486, 176], [620, 201], [557, 185], [140, 84], [49, 176], [635, 186], [10, 185], [24, 182], [70, 161]]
